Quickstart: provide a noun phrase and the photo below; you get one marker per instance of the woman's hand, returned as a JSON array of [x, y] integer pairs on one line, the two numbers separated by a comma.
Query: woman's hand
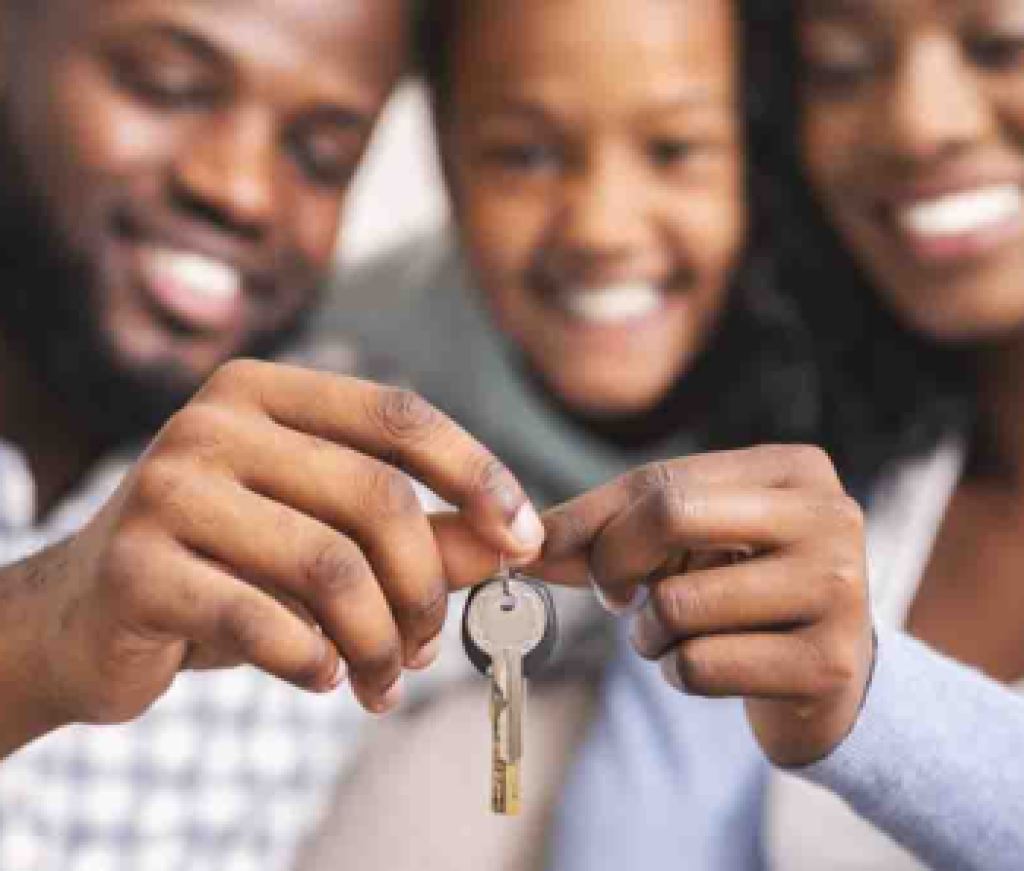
[[755, 566], [273, 522]]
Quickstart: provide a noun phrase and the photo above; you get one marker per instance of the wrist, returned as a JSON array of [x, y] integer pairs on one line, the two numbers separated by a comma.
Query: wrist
[[860, 696], [26, 717], [28, 692], [826, 732]]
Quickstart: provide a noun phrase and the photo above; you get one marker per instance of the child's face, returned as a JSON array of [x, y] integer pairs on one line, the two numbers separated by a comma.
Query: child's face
[[594, 150]]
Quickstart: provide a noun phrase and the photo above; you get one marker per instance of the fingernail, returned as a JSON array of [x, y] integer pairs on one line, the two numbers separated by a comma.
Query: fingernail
[[390, 700], [620, 609], [340, 675], [426, 656], [636, 633], [670, 671], [640, 597], [527, 527], [508, 496], [645, 634], [611, 607]]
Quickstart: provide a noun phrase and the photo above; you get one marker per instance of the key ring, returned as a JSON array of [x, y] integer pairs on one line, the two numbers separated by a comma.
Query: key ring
[[505, 574]]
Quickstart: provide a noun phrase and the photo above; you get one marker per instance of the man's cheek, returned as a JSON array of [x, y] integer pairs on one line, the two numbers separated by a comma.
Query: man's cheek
[[314, 224], [97, 122]]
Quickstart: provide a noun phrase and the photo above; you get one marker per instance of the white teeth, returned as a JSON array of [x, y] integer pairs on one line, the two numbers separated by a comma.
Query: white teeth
[[613, 304], [965, 212], [202, 276]]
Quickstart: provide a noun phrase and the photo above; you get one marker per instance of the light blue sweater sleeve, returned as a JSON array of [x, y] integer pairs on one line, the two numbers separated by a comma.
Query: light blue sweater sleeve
[[936, 760]]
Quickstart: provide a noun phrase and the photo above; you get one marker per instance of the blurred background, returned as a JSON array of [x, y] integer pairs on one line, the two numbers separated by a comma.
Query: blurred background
[[398, 191]]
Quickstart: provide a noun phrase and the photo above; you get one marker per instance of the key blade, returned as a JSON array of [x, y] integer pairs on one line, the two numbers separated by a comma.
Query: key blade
[[504, 774], [505, 798], [504, 768], [506, 704], [509, 665]]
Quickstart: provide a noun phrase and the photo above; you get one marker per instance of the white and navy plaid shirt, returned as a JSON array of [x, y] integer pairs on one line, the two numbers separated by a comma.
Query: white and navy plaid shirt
[[230, 771]]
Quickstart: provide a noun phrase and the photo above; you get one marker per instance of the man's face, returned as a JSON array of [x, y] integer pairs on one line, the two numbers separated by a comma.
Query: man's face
[[173, 173]]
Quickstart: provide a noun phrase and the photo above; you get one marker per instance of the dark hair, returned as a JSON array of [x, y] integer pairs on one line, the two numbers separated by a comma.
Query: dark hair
[[888, 393], [757, 380]]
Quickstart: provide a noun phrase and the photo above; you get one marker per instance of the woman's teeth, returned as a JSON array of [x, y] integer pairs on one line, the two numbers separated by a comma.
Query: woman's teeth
[[963, 213], [614, 304]]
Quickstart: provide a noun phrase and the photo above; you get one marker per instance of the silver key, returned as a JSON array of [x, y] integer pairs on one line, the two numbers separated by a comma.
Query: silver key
[[507, 619]]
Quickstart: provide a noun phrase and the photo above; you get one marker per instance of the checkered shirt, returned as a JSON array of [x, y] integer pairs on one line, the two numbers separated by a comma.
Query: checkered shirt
[[229, 771]]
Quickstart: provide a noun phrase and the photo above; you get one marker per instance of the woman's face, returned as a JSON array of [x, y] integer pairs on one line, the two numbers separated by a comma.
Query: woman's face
[[913, 138], [594, 152]]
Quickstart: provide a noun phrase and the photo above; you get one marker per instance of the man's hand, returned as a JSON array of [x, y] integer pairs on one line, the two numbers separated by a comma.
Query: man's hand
[[755, 566], [273, 522]]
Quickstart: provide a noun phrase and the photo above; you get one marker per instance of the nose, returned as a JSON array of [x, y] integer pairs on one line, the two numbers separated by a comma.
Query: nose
[[937, 105], [605, 213], [226, 172]]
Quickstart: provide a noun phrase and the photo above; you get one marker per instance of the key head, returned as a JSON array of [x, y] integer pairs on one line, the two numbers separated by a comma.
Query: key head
[[523, 619]]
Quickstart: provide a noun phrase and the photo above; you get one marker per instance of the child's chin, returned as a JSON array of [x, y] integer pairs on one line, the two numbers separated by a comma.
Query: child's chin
[[610, 400]]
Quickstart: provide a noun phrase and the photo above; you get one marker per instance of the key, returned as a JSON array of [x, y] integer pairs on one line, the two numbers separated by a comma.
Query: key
[[508, 631]]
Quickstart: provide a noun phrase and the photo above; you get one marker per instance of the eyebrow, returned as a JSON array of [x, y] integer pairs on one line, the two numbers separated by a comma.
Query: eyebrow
[[344, 118], [184, 39], [517, 107], [350, 117], [835, 8]]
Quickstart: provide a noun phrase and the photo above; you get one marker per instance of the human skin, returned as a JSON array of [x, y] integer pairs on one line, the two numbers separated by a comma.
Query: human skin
[[943, 84], [361, 562], [186, 163], [268, 522], [912, 123], [580, 164], [781, 622], [598, 185]]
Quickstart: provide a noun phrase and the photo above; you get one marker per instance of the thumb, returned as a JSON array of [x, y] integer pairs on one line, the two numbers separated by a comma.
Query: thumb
[[570, 571], [468, 559]]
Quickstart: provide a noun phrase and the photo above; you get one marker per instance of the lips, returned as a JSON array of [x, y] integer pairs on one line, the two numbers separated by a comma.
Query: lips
[[199, 291], [611, 305]]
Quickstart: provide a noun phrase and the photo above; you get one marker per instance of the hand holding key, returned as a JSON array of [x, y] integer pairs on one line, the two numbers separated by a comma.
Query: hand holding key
[[273, 522], [786, 627]]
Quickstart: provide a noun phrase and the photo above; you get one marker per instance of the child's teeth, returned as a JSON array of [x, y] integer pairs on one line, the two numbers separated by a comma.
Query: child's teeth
[[614, 304], [965, 212], [202, 276]]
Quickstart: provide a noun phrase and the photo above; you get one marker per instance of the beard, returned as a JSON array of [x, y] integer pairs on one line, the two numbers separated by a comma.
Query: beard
[[51, 315]]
